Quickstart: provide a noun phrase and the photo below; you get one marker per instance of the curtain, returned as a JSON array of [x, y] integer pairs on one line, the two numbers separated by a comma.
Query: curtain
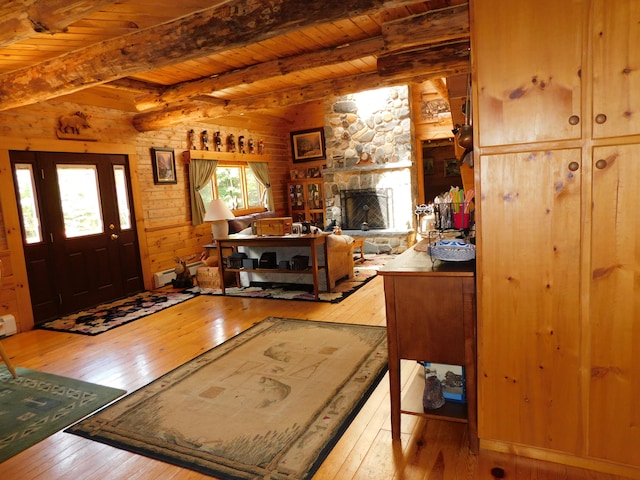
[[200, 172], [261, 171]]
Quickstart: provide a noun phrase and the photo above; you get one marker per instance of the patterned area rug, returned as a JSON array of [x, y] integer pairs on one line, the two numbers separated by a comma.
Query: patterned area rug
[[268, 403], [363, 273], [115, 314], [37, 404]]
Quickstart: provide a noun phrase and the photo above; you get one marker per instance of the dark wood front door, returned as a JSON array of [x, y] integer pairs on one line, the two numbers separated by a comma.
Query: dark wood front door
[[80, 241]]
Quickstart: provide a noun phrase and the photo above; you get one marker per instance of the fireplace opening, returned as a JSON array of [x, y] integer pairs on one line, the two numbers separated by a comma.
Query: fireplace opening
[[365, 209]]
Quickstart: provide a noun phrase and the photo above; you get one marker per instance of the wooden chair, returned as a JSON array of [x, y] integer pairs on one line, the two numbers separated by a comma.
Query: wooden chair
[[358, 242], [6, 360]]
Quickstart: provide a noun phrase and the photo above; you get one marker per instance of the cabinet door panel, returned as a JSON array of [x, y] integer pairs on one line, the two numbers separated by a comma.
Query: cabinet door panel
[[528, 70], [614, 416], [426, 333], [616, 59], [528, 279], [306, 202]]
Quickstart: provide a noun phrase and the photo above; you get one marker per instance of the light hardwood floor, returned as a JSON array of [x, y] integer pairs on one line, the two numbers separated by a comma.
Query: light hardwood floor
[[133, 355]]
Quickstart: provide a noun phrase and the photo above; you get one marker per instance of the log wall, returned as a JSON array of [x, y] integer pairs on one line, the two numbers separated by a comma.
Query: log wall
[[163, 212]]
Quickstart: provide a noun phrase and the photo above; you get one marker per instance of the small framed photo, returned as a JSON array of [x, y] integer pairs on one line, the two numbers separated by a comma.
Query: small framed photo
[[308, 145], [451, 168], [314, 172], [163, 162], [429, 164]]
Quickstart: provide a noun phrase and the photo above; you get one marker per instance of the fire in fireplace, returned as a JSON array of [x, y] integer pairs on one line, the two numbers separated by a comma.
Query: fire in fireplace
[[365, 209]]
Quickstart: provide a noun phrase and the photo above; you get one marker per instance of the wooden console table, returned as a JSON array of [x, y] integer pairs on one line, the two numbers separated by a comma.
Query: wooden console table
[[311, 241], [431, 317]]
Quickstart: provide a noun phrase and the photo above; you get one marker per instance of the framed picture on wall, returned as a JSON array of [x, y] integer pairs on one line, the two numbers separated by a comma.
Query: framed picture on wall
[[429, 165], [451, 168], [163, 162], [308, 145]]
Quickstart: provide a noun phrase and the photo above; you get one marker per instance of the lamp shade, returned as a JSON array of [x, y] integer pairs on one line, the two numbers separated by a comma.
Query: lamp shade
[[217, 213], [217, 210]]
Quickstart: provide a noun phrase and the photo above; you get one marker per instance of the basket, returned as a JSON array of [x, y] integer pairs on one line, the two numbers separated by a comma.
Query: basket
[[208, 277], [453, 251]]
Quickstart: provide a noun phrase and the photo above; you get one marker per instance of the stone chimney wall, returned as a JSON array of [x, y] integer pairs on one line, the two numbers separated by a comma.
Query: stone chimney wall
[[368, 145]]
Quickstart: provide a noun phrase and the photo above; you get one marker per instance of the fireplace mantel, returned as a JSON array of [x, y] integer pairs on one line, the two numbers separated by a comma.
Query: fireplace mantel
[[370, 168]]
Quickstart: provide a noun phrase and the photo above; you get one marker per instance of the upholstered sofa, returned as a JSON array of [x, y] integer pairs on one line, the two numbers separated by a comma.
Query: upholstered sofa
[[238, 224], [340, 261]]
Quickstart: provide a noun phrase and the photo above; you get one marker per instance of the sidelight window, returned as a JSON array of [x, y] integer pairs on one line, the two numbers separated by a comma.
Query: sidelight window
[[122, 194], [28, 203]]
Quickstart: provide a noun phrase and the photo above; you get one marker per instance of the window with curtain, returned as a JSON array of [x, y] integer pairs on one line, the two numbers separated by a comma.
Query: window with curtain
[[237, 185]]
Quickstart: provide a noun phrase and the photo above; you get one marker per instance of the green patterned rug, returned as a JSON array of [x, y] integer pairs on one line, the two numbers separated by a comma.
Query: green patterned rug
[[270, 402], [37, 404]]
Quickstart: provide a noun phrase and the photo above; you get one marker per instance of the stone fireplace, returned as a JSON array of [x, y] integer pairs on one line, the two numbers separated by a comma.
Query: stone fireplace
[[386, 190], [369, 164], [366, 209]]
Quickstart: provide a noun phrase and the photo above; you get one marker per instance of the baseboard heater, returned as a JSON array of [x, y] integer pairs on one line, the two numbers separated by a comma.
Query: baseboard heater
[[160, 279], [7, 325]]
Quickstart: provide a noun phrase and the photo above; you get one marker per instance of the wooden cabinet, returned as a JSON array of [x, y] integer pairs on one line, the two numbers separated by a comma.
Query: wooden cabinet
[[614, 309], [430, 317], [306, 201], [615, 35], [529, 66], [557, 253], [529, 308]]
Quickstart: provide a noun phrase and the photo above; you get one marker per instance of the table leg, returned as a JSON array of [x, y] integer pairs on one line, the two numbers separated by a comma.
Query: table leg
[[221, 268], [314, 267], [394, 393]]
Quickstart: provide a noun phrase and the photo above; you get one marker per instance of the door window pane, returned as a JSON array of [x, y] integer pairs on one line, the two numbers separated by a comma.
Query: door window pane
[[28, 204], [119, 175], [80, 199]]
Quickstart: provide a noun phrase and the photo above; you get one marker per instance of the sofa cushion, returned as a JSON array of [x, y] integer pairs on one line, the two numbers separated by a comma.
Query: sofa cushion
[[338, 241]]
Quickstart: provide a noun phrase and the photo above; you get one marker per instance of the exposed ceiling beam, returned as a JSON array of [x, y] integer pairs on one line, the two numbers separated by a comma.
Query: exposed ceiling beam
[[243, 76], [435, 58], [233, 24], [137, 87], [203, 110], [441, 87], [20, 20], [436, 26]]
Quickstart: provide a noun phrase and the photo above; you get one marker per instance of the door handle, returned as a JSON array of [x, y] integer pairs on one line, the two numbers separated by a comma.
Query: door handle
[[114, 236]]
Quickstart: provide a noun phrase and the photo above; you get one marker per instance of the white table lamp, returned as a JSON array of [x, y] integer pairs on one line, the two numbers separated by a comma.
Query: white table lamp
[[217, 213]]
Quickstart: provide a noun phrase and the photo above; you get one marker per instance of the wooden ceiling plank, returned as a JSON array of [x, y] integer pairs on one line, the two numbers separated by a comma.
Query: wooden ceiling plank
[[21, 20], [231, 25]]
